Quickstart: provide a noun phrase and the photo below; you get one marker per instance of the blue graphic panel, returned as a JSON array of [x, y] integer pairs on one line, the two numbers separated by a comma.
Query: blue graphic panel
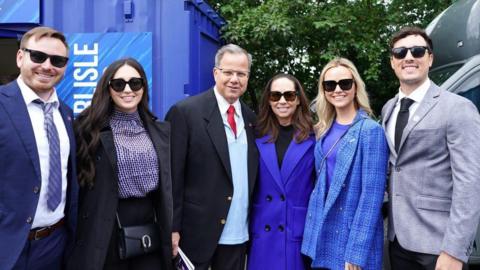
[[91, 53], [20, 11]]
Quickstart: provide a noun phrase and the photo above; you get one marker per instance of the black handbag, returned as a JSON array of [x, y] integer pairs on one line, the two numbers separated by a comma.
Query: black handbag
[[138, 240]]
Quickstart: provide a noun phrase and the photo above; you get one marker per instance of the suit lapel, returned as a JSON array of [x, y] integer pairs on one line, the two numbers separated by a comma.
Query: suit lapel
[[269, 156], [67, 120], [216, 131], [428, 102], [14, 104], [387, 113], [106, 137], [294, 154], [347, 147], [249, 120]]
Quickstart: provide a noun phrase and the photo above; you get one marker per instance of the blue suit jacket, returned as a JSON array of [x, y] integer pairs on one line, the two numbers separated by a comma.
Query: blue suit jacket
[[344, 223], [20, 174], [280, 205]]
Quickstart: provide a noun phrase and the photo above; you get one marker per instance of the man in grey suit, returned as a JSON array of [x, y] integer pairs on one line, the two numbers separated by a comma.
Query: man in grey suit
[[434, 185]]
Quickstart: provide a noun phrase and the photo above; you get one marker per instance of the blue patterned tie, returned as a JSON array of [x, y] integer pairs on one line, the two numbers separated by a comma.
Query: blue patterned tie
[[54, 191]]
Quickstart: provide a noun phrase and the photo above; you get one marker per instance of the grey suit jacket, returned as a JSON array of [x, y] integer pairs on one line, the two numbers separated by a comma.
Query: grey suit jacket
[[434, 185]]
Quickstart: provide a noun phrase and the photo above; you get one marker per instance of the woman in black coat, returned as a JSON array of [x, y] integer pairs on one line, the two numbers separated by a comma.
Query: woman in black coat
[[124, 172]]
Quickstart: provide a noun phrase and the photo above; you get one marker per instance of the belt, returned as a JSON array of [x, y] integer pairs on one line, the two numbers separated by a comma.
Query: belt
[[39, 233]]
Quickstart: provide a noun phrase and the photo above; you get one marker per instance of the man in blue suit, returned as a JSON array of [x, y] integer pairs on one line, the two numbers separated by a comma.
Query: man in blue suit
[[38, 188]]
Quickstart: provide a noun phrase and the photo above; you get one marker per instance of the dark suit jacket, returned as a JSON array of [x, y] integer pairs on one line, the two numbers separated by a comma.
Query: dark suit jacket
[[98, 205], [201, 173], [20, 174]]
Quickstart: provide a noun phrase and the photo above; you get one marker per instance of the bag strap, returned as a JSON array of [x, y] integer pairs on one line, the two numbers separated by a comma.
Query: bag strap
[[154, 217]]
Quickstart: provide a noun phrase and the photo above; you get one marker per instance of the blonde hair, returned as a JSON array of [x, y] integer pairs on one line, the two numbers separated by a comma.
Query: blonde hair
[[326, 111]]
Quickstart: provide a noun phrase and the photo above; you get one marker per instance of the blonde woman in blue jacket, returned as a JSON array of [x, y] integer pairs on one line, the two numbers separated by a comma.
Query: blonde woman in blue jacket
[[344, 226]]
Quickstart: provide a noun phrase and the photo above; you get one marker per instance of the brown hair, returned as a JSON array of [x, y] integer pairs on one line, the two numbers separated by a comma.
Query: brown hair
[[93, 119], [411, 31], [302, 122], [41, 32]]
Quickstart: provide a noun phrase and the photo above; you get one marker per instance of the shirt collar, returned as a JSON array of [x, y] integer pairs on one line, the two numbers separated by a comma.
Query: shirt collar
[[418, 94], [29, 95], [223, 104]]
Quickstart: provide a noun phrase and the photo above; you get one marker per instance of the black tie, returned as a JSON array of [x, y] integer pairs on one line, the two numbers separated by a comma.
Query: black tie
[[402, 120]]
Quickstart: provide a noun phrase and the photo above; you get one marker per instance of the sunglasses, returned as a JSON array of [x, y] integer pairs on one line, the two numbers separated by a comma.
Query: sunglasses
[[416, 51], [118, 85], [288, 95], [40, 57], [345, 85]]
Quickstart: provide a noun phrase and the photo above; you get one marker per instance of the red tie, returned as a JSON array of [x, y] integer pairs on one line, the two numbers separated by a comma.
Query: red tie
[[231, 119]]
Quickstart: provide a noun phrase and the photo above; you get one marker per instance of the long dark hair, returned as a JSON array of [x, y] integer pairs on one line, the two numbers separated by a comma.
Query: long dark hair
[[267, 122], [93, 119]]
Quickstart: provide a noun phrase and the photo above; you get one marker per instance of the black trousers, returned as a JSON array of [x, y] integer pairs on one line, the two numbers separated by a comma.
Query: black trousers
[[401, 259], [226, 257], [132, 211]]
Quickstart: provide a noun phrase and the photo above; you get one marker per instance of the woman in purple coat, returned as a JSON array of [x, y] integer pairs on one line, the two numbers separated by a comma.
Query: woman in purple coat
[[286, 176]]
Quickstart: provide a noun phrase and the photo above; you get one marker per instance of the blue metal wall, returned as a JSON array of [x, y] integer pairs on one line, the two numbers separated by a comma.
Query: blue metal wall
[[185, 35]]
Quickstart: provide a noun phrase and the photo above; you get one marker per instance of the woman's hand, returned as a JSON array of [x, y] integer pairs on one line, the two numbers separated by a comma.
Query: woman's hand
[[349, 266]]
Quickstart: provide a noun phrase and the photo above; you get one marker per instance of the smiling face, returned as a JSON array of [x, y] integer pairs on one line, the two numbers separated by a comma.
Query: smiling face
[[283, 109], [41, 78], [227, 80], [126, 101], [342, 100], [411, 72]]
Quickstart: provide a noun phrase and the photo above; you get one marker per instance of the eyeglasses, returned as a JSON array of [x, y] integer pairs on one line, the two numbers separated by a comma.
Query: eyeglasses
[[118, 85], [345, 85], [416, 51], [40, 57], [277, 95], [229, 73]]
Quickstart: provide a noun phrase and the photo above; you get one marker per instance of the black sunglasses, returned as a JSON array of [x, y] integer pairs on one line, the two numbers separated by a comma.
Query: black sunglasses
[[345, 85], [277, 95], [40, 57], [416, 51], [118, 85]]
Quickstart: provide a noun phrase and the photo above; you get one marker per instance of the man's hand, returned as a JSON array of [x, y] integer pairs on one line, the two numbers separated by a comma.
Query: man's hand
[[349, 266], [447, 262], [175, 240]]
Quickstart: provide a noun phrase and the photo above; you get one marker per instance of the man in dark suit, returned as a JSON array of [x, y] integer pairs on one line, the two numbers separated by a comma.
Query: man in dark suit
[[38, 188], [214, 166], [434, 153]]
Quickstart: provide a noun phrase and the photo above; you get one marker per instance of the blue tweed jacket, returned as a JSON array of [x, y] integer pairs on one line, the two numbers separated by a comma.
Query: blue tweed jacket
[[344, 223]]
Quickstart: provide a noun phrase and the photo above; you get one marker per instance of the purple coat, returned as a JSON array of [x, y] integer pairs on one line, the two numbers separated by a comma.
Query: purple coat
[[280, 205]]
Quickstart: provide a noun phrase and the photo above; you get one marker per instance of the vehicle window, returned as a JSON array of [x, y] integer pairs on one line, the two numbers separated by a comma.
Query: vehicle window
[[471, 88], [441, 75]]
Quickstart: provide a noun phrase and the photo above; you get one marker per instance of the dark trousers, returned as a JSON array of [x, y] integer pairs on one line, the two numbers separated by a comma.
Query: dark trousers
[[226, 257], [401, 259], [43, 254], [132, 211]]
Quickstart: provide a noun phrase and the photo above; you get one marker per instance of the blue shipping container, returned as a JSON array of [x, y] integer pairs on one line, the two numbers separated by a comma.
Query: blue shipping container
[[175, 40]]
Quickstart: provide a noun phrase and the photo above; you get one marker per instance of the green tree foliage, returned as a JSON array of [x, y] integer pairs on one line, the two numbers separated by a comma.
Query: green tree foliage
[[300, 36]]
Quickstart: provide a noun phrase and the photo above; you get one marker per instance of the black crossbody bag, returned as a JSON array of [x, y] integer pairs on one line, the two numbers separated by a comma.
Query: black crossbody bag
[[138, 240]]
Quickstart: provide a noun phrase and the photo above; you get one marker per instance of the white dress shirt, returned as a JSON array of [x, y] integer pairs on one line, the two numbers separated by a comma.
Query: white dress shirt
[[43, 215], [417, 96]]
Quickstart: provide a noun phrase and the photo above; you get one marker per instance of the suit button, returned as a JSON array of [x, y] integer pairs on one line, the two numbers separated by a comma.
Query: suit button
[[282, 197], [268, 198], [398, 169], [99, 158], [229, 198], [281, 228], [267, 228], [85, 215], [29, 220], [341, 209], [223, 221], [36, 189]]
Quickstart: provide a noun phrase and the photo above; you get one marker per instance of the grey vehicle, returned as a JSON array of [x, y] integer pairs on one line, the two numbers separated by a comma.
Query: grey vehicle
[[456, 66]]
